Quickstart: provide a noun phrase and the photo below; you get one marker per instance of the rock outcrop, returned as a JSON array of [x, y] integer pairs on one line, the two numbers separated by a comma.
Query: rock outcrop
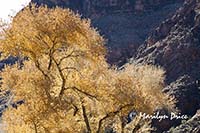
[[190, 126], [175, 46], [187, 93]]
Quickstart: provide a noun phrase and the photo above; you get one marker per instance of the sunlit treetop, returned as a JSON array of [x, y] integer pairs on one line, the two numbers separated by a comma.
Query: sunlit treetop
[[66, 83], [37, 31]]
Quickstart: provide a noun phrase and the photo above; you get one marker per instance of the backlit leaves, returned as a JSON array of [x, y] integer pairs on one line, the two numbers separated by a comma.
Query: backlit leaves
[[66, 83]]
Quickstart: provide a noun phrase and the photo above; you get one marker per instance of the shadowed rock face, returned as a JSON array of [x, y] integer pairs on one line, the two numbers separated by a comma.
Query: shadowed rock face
[[90, 7], [187, 93], [190, 126], [124, 23], [175, 45]]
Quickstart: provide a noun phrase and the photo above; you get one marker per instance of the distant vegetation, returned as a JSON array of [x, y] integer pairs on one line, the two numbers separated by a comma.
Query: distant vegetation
[[66, 83]]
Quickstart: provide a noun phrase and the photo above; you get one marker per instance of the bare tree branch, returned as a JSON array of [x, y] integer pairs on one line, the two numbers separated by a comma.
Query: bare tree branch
[[35, 126], [86, 120], [111, 114], [83, 92], [62, 77], [37, 64], [68, 56]]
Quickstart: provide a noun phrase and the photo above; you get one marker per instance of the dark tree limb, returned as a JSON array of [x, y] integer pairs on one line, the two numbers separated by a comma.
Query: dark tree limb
[[83, 92], [111, 114], [86, 120]]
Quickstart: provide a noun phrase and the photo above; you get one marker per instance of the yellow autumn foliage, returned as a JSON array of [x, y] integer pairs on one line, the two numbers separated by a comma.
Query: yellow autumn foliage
[[66, 84]]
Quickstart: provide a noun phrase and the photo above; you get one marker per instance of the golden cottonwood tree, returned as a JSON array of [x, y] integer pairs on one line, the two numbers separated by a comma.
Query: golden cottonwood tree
[[66, 84]]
